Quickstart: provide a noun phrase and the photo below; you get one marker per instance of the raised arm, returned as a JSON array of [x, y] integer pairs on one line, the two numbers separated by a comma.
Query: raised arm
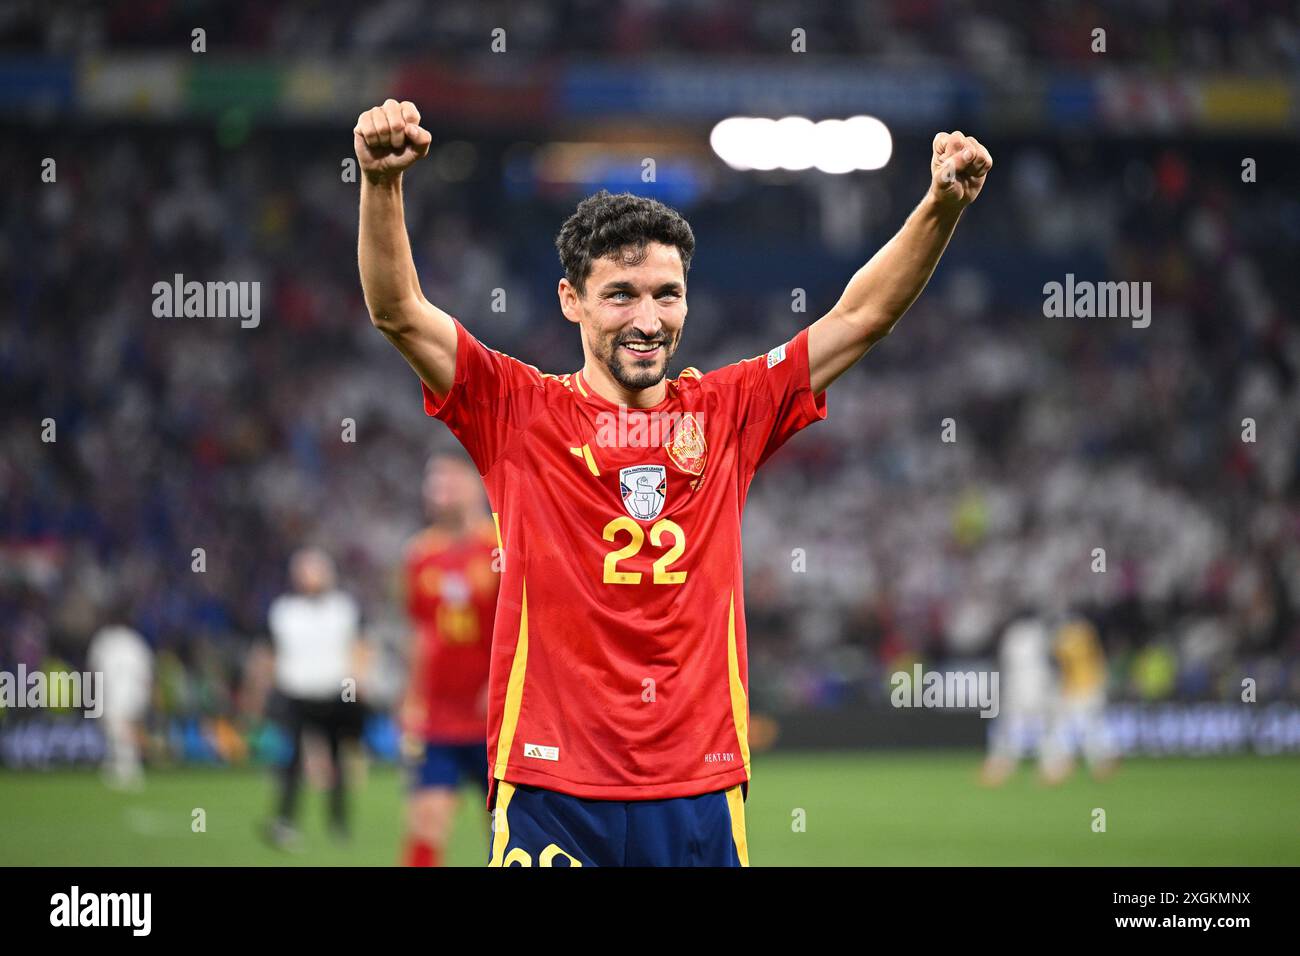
[[883, 289], [387, 140]]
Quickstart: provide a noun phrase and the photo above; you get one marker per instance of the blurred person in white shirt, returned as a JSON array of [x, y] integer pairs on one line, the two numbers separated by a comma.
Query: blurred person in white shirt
[[316, 634], [126, 661], [1027, 689]]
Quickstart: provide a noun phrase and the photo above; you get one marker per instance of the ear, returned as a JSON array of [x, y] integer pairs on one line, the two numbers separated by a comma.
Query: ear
[[568, 300]]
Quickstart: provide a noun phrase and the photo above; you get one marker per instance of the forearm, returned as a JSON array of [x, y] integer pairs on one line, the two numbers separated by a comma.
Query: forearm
[[388, 278], [883, 289]]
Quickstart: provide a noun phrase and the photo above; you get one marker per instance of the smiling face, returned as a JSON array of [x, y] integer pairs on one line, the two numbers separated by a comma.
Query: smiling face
[[632, 314]]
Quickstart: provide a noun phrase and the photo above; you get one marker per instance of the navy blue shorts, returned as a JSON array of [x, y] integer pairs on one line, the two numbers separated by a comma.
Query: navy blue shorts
[[536, 827], [447, 765]]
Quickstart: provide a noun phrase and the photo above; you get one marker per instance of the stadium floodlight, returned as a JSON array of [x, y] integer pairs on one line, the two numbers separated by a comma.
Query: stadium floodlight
[[834, 149], [738, 141], [869, 141], [795, 143]]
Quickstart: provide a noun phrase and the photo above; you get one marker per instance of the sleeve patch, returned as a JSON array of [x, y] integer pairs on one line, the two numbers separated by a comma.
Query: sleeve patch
[[776, 356]]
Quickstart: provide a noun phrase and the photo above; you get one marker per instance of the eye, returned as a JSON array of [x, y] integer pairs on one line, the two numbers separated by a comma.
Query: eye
[[617, 294]]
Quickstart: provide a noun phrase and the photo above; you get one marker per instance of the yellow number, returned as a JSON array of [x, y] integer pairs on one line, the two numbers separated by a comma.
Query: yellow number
[[612, 575], [458, 623], [662, 574], [548, 856]]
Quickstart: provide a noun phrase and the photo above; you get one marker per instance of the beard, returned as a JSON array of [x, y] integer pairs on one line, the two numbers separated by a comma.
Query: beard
[[638, 374]]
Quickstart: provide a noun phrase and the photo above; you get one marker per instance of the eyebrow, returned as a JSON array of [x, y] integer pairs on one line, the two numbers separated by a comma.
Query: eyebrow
[[622, 285]]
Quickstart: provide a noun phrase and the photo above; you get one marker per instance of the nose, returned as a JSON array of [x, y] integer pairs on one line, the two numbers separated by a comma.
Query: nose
[[646, 322]]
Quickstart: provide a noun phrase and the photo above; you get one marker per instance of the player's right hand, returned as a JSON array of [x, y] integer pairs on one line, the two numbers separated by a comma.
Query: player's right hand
[[389, 138]]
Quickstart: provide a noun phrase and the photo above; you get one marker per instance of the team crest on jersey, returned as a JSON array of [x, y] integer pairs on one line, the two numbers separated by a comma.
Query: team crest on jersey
[[687, 447], [644, 489]]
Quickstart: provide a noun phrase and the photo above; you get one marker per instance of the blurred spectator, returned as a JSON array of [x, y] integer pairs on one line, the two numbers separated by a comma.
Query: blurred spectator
[[315, 632], [1203, 35]]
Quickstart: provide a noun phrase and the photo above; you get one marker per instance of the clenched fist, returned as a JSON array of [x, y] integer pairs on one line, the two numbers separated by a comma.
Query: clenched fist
[[958, 168], [389, 138]]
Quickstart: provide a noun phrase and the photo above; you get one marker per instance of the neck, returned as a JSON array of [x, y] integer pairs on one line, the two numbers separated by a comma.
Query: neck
[[603, 384]]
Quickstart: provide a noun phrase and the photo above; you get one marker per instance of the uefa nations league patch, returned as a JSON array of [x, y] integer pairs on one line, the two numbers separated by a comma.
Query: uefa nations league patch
[[644, 489]]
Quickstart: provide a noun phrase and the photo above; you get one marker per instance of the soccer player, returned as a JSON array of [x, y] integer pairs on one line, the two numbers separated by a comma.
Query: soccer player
[[618, 712], [451, 597], [121, 654], [1024, 718], [1080, 719]]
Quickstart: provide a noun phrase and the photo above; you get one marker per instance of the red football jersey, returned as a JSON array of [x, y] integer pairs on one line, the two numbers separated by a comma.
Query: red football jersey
[[619, 667], [451, 596]]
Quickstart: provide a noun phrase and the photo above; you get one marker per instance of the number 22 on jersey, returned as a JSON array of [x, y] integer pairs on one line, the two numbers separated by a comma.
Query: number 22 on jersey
[[657, 531]]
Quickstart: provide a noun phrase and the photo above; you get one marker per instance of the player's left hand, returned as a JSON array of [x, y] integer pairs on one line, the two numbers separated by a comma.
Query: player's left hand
[[957, 169]]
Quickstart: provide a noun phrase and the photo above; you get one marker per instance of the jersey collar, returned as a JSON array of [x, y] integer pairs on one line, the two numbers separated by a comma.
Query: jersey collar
[[584, 391]]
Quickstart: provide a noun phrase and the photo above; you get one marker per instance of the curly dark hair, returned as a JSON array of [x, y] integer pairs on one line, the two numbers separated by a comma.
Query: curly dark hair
[[607, 224]]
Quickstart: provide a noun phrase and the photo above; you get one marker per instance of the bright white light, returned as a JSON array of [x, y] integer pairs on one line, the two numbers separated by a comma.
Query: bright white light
[[759, 143], [794, 142], [870, 140], [834, 151], [729, 140]]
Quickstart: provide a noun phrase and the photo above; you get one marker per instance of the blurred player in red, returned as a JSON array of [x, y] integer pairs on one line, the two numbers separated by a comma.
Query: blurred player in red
[[451, 593], [619, 711]]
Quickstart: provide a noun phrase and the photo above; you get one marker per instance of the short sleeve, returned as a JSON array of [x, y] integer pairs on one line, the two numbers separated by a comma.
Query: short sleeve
[[492, 396], [776, 399]]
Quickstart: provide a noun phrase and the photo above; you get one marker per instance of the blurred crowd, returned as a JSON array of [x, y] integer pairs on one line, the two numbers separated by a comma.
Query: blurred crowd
[[1247, 35], [871, 541], [1070, 435]]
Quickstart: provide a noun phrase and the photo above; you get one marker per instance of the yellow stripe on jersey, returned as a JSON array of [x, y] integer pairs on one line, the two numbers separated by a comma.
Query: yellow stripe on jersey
[[585, 453], [736, 806], [501, 823], [499, 558], [577, 380], [562, 379], [739, 702], [514, 692]]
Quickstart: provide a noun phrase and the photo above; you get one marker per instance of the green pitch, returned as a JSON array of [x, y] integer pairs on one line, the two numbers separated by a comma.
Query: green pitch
[[858, 809]]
